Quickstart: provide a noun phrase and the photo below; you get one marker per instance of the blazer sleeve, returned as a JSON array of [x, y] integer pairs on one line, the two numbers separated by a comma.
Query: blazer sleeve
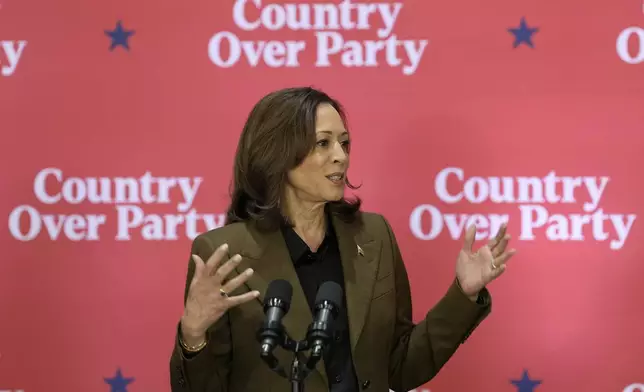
[[207, 371], [420, 350]]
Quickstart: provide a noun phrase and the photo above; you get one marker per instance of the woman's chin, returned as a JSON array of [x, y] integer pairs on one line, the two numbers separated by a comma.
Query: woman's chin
[[335, 196]]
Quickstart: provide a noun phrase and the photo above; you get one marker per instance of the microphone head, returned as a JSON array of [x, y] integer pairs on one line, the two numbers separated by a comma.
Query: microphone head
[[329, 292], [279, 293]]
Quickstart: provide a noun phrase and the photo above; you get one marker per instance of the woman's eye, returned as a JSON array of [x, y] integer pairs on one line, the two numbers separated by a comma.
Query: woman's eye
[[323, 143]]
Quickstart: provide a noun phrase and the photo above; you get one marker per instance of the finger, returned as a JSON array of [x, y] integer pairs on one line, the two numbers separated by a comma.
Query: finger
[[501, 260], [227, 268], [486, 258], [495, 273], [216, 258], [470, 234], [243, 298], [199, 265], [499, 235], [500, 248], [237, 281]]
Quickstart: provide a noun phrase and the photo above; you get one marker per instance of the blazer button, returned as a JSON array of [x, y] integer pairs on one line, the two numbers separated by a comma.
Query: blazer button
[[366, 384]]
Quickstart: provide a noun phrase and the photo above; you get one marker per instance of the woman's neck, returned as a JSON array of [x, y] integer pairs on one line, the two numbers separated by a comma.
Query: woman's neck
[[309, 222]]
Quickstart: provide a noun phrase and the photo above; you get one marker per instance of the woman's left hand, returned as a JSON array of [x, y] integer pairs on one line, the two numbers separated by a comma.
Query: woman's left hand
[[474, 270]]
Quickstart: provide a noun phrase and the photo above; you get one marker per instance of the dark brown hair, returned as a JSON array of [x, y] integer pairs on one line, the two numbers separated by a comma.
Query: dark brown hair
[[279, 133]]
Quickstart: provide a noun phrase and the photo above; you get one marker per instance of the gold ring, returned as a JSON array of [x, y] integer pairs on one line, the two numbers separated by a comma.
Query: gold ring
[[223, 293], [493, 266]]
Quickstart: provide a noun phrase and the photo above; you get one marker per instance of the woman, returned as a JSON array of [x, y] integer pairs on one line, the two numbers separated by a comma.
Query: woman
[[288, 219]]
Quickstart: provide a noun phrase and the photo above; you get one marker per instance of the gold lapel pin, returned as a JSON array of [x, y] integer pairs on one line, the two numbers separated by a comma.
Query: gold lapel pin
[[360, 251]]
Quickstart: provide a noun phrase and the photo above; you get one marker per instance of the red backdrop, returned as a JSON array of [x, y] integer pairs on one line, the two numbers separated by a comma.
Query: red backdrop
[[460, 112]]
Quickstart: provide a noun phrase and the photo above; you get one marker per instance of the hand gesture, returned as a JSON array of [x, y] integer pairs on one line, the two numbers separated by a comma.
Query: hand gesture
[[474, 270], [208, 298]]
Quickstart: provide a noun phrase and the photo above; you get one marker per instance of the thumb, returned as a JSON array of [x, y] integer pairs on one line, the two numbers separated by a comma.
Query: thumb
[[470, 235]]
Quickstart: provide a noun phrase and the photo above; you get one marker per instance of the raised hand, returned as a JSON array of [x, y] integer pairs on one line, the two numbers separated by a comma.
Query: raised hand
[[474, 270], [208, 297]]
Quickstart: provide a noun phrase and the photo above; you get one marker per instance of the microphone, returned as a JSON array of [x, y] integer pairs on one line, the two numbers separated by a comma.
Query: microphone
[[277, 302], [327, 306]]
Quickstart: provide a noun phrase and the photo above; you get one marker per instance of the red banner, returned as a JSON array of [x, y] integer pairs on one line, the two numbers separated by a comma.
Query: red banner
[[120, 123]]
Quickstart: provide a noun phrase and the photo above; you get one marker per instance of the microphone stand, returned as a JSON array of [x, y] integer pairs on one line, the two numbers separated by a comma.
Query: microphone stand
[[317, 338], [300, 366], [298, 373]]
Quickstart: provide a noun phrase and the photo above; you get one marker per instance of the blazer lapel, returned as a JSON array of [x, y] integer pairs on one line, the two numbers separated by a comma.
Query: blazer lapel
[[267, 254], [359, 253]]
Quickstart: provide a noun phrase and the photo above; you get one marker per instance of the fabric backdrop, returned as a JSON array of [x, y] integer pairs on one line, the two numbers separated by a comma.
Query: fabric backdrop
[[120, 121]]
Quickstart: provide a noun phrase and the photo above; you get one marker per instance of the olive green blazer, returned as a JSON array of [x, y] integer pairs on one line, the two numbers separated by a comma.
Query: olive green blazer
[[389, 350]]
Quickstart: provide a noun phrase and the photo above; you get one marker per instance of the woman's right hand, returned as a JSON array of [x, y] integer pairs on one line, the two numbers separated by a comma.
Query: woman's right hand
[[205, 302]]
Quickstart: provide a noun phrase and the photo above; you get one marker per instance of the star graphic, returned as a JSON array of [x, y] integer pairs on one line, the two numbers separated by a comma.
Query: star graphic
[[119, 36], [118, 383], [525, 384], [523, 34]]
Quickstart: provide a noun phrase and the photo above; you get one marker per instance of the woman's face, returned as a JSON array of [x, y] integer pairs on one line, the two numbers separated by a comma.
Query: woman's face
[[321, 176]]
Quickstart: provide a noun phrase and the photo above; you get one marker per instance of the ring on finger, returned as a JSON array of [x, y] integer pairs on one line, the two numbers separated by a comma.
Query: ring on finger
[[223, 293]]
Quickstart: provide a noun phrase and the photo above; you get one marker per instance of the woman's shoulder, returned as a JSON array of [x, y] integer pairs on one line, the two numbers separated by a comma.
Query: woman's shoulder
[[232, 234], [372, 218], [374, 223]]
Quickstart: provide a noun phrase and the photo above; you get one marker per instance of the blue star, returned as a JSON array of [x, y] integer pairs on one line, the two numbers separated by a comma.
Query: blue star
[[523, 34], [119, 36], [118, 383], [525, 384]]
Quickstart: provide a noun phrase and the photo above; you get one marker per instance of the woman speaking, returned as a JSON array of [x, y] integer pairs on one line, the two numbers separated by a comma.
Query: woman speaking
[[288, 219]]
